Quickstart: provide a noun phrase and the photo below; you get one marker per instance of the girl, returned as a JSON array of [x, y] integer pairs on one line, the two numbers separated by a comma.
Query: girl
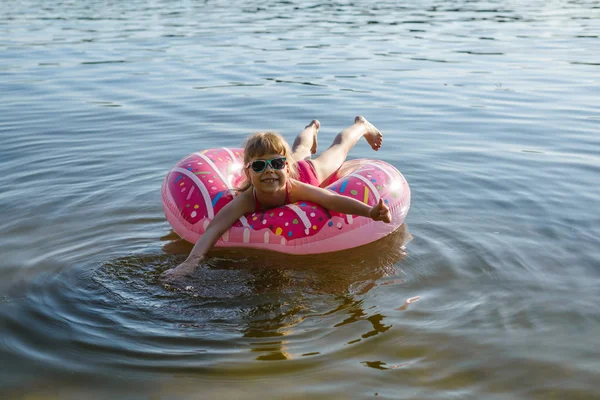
[[274, 178]]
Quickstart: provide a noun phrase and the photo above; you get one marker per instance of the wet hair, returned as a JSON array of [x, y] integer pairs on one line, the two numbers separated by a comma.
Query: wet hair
[[262, 143]]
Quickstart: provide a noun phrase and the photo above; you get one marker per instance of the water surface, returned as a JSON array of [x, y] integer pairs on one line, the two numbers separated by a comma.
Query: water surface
[[489, 109]]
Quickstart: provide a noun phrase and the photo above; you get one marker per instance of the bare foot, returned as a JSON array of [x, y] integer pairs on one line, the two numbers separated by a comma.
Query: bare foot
[[315, 124], [372, 135]]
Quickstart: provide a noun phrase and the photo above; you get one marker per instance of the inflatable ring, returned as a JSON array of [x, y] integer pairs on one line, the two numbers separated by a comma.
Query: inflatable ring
[[202, 183]]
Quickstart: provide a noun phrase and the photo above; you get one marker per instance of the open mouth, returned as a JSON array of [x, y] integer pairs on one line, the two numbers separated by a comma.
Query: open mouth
[[269, 180]]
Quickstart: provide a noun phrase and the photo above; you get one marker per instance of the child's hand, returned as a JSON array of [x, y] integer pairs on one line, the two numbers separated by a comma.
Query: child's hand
[[381, 212], [183, 269]]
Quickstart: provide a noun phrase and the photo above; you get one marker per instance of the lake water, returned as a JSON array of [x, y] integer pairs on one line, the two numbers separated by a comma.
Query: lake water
[[490, 109]]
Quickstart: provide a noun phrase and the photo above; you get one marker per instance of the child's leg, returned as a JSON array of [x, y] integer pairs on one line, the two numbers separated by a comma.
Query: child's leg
[[331, 159], [306, 143]]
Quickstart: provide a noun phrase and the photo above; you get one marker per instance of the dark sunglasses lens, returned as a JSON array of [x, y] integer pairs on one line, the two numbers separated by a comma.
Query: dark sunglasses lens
[[258, 165], [278, 163]]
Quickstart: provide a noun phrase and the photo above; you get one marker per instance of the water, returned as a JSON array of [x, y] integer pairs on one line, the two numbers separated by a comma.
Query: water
[[490, 110]]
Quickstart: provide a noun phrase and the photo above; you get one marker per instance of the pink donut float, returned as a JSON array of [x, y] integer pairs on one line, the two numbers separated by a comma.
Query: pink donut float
[[201, 184]]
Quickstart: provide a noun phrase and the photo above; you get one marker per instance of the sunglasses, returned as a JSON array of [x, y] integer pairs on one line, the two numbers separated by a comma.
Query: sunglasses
[[261, 165]]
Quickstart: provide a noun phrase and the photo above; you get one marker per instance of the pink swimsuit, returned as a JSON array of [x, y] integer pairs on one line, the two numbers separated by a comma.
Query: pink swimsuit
[[306, 174]]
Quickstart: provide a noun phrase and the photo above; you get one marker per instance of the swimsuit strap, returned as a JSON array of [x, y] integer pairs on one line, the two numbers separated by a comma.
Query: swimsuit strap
[[257, 205], [287, 192]]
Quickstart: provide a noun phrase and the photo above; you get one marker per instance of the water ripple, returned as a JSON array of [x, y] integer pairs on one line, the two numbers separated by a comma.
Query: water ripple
[[490, 111]]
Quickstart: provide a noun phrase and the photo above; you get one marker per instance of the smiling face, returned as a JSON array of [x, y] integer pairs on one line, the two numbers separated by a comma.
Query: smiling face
[[269, 180], [267, 146]]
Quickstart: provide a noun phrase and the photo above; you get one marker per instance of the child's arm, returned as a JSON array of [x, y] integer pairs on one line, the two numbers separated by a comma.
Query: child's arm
[[224, 219], [335, 202]]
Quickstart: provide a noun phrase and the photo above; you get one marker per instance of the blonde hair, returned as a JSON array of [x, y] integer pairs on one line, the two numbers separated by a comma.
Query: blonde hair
[[262, 143]]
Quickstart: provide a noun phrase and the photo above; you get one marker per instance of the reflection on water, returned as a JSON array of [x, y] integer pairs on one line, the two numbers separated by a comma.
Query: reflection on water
[[388, 250], [264, 297], [121, 316]]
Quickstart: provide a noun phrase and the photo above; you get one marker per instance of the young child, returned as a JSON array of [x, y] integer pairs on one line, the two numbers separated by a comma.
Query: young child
[[277, 175]]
